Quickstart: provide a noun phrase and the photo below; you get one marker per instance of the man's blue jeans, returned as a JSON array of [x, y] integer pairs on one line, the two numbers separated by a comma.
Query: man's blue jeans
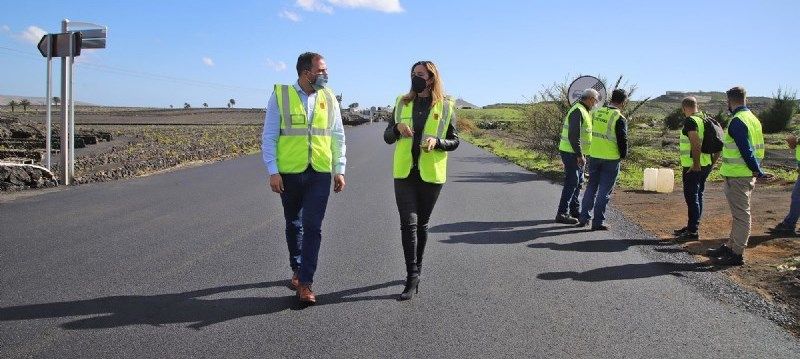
[[573, 179], [305, 198], [794, 208], [694, 184], [602, 177]]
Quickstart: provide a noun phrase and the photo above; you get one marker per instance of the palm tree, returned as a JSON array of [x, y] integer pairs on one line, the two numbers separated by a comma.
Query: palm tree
[[25, 103], [205, 104], [13, 104], [186, 105], [231, 103], [57, 100], [170, 106]]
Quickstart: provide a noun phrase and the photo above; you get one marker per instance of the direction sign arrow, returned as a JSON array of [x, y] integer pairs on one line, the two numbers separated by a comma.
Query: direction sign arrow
[[42, 46], [59, 44]]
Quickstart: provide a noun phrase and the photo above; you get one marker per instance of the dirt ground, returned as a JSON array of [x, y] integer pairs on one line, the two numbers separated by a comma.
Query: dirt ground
[[662, 213]]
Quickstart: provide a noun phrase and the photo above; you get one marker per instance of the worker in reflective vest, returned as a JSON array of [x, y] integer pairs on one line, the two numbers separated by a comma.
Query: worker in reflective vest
[[742, 151], [787, 226], [423, 130], [609, 146], [576, 137], [303, 145], [696, 166]]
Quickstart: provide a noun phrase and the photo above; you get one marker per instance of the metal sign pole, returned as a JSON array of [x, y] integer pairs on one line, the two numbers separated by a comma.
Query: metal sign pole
[[49, 98], [64, 114], [71, 112]]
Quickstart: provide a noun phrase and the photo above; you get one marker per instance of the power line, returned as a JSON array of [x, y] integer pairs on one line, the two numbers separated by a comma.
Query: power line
[[142, 74]]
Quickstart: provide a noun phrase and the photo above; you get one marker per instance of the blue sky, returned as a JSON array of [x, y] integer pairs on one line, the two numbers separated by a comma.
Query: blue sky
[[170, 52]]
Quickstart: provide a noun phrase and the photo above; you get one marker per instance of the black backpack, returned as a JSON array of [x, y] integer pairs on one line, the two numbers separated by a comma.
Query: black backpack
[[712, 136]]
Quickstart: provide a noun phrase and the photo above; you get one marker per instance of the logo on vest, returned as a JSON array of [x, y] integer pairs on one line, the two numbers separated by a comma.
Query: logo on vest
[[436, 116], [322, 105]]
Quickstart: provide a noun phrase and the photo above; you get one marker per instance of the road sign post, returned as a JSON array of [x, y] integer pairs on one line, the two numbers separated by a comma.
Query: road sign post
[[48, 140], [67, 45]]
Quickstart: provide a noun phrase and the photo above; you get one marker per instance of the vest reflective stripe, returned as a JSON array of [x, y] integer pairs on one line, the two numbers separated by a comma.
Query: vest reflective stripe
[[686, 145], [586, 129], [733, 146], [733, 165], [604, 138], [302, 142], [432, 165]]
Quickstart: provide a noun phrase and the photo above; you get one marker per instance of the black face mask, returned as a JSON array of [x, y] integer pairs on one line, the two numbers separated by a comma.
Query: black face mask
[[418, 84]]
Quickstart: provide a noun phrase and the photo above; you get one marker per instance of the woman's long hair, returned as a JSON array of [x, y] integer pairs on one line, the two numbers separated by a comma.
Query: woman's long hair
[[437, 88]]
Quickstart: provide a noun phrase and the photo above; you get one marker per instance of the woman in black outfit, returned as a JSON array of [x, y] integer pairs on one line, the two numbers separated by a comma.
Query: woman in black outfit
[[422, 129]]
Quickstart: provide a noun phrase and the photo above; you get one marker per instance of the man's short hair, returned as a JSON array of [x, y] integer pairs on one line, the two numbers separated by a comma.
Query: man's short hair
[[737, 94], [590, 93], [619, 96], [689, 102], [306, 61]]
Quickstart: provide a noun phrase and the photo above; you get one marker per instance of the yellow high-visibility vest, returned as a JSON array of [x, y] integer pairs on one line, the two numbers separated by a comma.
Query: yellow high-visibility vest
[[733, 164], [302, 143], [432, 165], [604, 136], [686, 145], [586, 129]]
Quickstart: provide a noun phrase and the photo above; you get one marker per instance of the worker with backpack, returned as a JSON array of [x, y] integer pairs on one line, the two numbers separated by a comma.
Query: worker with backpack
[[700, 146]]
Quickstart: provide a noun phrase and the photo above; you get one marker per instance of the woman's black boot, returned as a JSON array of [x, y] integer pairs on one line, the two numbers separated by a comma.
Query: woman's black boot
[[411, 288]]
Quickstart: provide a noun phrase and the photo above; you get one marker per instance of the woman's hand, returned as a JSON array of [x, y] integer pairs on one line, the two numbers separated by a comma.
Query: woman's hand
[[405, 130], [429, 144]]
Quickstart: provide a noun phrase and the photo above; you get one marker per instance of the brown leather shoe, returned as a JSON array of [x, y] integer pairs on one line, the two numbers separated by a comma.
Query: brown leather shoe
[[295, 281], [305, 294]]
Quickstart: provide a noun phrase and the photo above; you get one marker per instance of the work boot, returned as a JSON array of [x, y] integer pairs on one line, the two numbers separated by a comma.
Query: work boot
[[305, 294], [719, 251], [688, 235], [782, 230], [601, 227], [728, 259], [678, 232], [564, 218]]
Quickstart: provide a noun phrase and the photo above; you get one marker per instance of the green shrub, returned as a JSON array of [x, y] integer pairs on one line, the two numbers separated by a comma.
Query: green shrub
[[674, 120], [723, 117], [776, 118]]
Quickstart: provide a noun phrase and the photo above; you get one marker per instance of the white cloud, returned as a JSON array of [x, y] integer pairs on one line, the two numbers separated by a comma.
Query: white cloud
[[315, 5], [390, 6], [326, 6], [6, 28], [290, 15], [32, 34], [276, 65], [208, 61]]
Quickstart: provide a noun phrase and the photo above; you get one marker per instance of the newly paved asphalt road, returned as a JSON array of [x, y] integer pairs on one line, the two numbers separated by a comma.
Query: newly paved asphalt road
[[193, 263]]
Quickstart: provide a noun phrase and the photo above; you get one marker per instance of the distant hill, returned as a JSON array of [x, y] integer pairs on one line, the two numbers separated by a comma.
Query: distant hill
[[461, 103], [710, 102], [36, 101], [704, 97], [505, 105]]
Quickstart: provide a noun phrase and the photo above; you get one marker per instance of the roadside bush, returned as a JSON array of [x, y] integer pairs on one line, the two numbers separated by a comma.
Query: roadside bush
[[776, 118], [465, 125], [674, 120], [542, 118]]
